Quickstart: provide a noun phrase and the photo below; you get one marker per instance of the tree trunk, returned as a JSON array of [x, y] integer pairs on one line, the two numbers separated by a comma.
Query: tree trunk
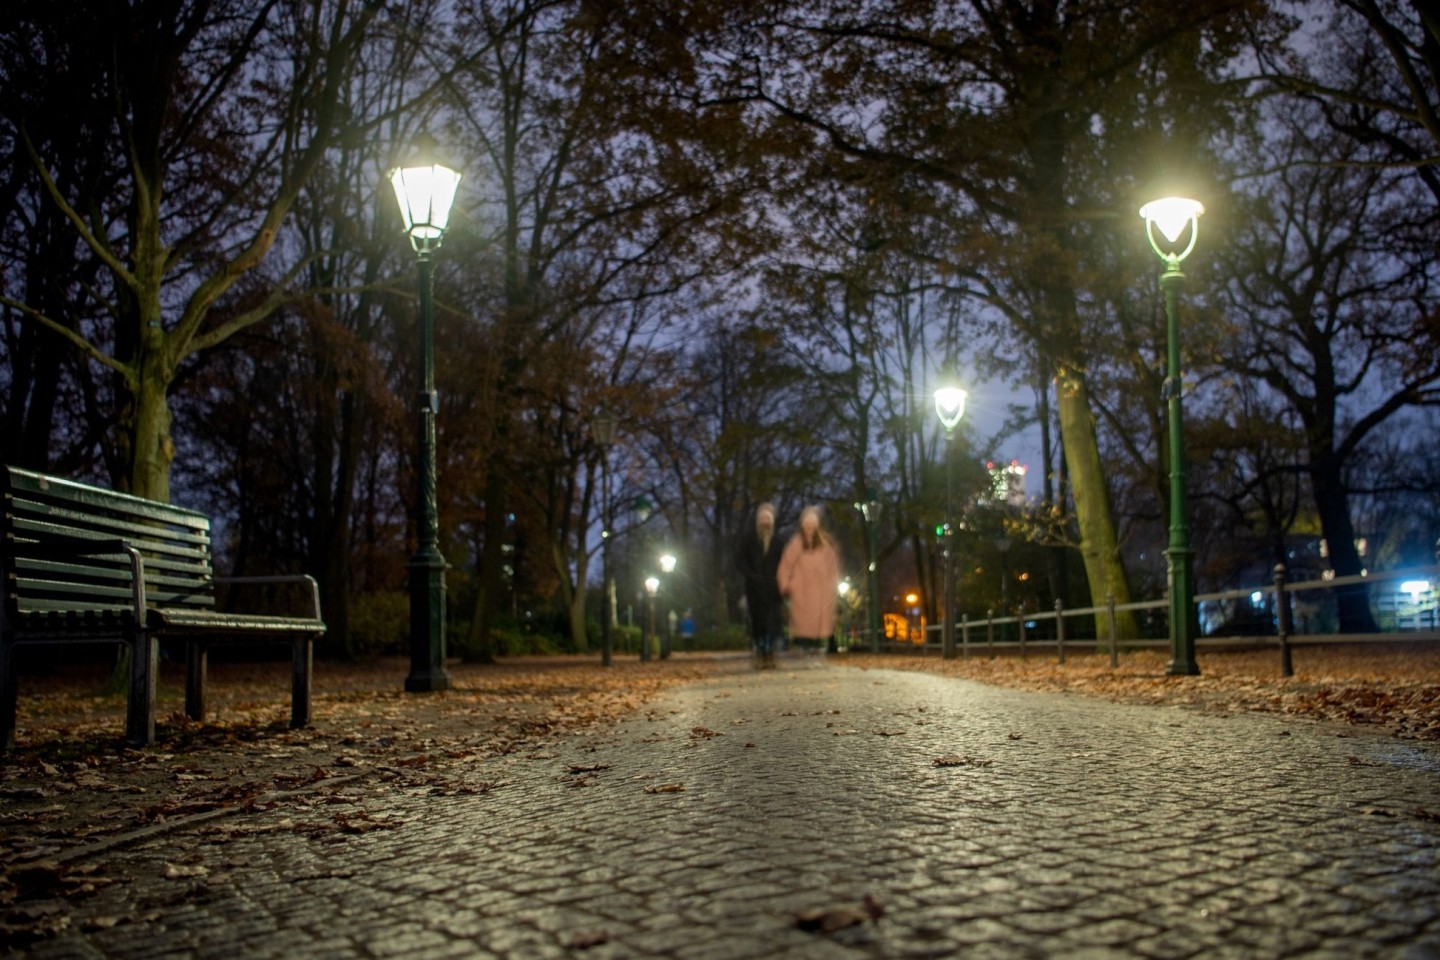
[[572, 594], [1333, 504], [481, 648], [1055, 573], [152, 447], [1098, 546]]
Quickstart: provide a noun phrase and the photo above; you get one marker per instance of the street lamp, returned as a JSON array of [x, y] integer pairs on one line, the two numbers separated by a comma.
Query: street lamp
[[643, 509], [870, 510], [425, 190], [602, 428], [949, 407], [1002, 543], [652, 587], [1170, 216], [667, 566]]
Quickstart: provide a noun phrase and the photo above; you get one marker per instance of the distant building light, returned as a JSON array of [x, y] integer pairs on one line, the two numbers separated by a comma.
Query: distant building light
[[1416, 588], [1257, 599]]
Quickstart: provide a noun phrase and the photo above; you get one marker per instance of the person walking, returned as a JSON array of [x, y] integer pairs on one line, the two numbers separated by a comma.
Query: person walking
[[809, 577], [757, 559]]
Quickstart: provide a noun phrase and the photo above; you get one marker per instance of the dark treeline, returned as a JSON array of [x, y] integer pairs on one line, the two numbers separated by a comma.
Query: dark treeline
[[758, 233]]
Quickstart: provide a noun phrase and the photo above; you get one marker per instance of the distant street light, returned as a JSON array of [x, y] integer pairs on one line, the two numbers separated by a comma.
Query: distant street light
[[652, 587], [425, 190], [602, 428], [1002, 543], [1171, 216], [643, 508], [949, 407], [870, 510], [667, 566]]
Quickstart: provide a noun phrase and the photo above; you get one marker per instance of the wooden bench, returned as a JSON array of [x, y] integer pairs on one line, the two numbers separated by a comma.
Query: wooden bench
[[81, 564]]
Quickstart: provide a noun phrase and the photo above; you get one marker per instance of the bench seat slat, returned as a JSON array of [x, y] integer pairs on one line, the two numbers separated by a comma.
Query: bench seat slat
[[43, 574], [157, 540], [211, 623], [114, 510], [48, 488]]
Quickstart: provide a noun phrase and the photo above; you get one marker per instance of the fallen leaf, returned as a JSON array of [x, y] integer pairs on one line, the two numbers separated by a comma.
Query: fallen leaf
[[179, 871], [961, 760], [588, 938], [666, 788], [840, 916]]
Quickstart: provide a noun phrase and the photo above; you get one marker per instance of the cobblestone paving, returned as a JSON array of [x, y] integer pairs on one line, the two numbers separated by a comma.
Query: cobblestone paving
[[1057, 826]]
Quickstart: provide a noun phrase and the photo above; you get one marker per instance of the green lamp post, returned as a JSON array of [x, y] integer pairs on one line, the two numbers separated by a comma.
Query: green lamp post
[[602, 428], [949, 407], [1171, 216], [667, 567], [425, 190], [870, 510], [652, 587], [643, 508]]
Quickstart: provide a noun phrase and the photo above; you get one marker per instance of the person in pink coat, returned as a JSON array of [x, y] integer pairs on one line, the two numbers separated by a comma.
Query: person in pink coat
[[809, 576]]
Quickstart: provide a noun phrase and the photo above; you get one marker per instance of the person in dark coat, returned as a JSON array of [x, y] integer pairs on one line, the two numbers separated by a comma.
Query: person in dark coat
[[757, 559]]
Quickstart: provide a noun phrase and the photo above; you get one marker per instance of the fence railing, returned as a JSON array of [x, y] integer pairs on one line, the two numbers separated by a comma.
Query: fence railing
[[1271, 611]]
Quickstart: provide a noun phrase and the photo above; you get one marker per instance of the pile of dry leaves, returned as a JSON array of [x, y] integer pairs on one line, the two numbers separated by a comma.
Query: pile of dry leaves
[[1394, 687]]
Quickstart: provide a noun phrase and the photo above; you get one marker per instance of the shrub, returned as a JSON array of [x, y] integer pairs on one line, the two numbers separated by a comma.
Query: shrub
[[380, 623]]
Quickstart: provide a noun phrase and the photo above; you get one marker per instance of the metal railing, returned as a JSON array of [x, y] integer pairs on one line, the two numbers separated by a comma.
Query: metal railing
[[1273, 604]]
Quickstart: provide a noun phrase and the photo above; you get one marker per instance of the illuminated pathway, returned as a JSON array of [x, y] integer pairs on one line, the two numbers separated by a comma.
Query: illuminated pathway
[[1052, 826]]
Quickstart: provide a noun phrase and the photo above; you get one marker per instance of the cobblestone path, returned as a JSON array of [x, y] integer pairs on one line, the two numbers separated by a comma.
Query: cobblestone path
[[986, 822]]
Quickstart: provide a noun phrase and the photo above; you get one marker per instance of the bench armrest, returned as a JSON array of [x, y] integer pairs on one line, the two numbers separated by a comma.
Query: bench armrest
[[284, 578]]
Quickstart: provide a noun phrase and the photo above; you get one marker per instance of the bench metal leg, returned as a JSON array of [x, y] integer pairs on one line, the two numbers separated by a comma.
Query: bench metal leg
[[197, 665], [140, 708], [300, 679], [7, 696]]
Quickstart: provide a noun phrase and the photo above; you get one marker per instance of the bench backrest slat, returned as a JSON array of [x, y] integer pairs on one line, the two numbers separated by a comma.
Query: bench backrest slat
[[40, 511]]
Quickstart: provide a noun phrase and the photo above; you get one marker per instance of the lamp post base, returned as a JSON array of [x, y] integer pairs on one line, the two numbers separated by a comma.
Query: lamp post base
[[1184, 626], [427, 626]]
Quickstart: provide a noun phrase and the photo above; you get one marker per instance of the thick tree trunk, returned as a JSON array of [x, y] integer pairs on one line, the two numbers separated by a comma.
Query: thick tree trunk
[[1055, 553], [1333, 504], [481, 648], [572, 595], [1098, 546], [152, 447]]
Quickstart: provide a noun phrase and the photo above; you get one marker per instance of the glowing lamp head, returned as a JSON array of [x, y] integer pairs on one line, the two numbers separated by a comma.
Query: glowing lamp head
[[425, 190], [950, 406], [1170, 216]]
